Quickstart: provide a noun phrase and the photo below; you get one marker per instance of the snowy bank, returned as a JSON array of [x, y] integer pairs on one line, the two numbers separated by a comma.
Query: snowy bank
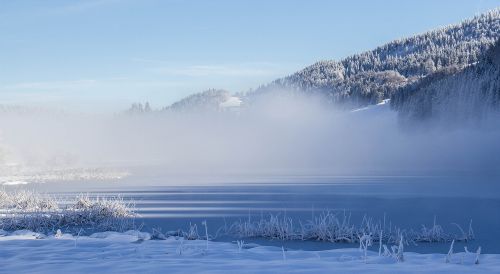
[[134, 252]]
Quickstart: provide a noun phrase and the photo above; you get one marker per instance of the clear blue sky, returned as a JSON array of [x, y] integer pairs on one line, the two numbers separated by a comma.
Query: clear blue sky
[[109, 53]]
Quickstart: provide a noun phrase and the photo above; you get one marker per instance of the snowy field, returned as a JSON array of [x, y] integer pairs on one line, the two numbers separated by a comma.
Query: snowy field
[[135, 252]]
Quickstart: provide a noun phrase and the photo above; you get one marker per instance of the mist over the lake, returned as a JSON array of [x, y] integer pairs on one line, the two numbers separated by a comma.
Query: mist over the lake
[[279, 135]]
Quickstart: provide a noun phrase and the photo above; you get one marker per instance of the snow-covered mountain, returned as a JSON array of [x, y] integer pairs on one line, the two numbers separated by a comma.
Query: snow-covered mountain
[[372, 76], [369, 78]]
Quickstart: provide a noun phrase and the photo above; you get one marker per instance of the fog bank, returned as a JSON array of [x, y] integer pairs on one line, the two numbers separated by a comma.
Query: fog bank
[[296, 135]]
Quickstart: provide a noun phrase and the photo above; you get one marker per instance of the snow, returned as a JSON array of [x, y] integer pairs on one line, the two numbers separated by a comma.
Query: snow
[[384, 102], [231, 102], [382, 106], [14, 183], [134, 252]]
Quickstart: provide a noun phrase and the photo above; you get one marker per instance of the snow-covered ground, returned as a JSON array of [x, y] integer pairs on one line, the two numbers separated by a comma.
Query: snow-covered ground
[[22, 175], [135, 252], [384, 105]]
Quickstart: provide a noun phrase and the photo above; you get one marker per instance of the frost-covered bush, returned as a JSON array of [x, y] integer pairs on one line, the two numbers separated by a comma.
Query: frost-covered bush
[[32, 211], [274, 228], [26, 201], [336, 226]]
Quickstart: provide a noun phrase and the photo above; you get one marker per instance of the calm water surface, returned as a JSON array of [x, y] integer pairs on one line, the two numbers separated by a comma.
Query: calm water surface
[[408, 201]]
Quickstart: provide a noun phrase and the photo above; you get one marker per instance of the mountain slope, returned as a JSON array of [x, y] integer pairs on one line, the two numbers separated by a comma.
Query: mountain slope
[[454, 95], [209, 100], [372, 76]]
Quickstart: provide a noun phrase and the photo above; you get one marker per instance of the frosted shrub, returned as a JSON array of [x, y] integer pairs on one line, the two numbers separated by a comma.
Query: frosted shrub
[[478, 253], [192, 233], [450, 252], [273, 228], [156, 234], [365, 241], [26, 201], [399, 251], [58, 234], [29, 210], [465, 257], [396, 251], [432, 234], [337, 227], [240, 244]]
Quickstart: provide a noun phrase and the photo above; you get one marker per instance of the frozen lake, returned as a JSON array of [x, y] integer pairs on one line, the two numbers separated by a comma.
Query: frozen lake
[[407, 201]]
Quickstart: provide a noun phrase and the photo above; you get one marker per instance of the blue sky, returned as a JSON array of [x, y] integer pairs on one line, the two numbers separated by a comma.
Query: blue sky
[[105, 54]]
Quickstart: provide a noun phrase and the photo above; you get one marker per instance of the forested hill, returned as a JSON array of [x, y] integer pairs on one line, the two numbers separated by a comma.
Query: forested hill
[[209, 100], [372, 76], [454, 95]]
